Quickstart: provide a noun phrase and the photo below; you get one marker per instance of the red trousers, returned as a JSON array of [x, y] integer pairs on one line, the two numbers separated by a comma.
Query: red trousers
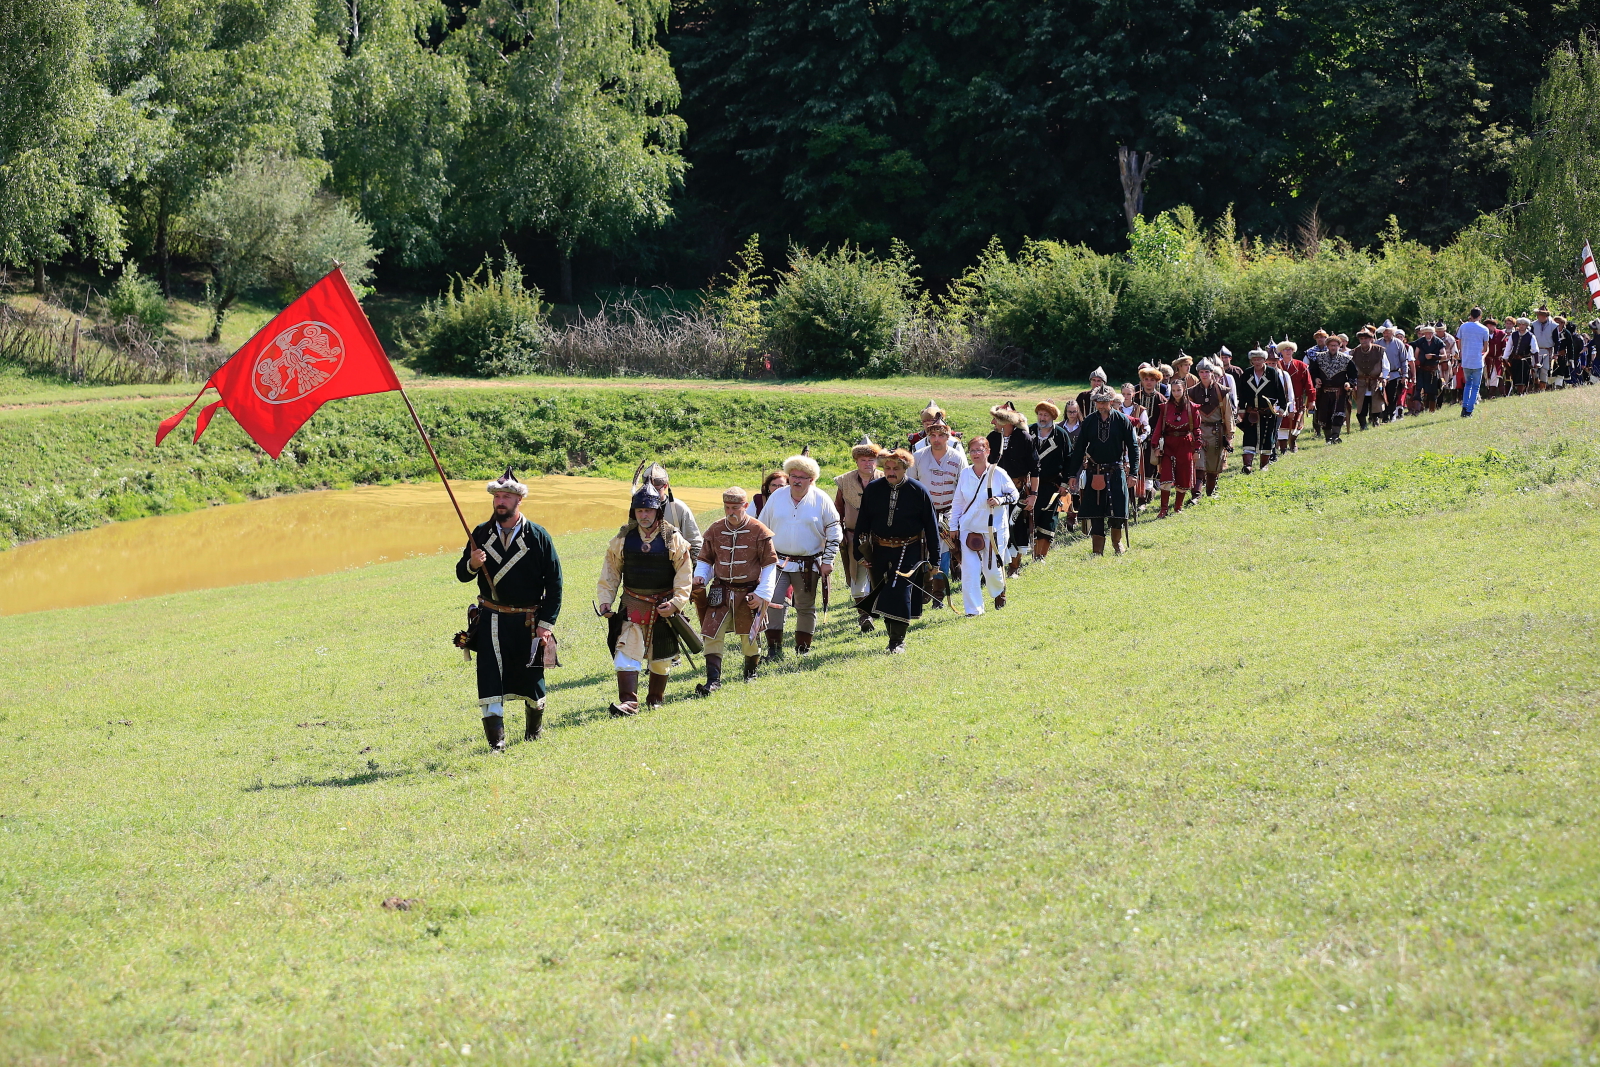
[[1177, 466]]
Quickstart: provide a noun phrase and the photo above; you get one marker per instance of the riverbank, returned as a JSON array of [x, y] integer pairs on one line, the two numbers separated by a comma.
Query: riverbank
[[1324, 796], [72, 466]]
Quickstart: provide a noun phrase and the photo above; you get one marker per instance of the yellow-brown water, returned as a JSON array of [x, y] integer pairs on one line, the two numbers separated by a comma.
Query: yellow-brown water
[[287, 537]]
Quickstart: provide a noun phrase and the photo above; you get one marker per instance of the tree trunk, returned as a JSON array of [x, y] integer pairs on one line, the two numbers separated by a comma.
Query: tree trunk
[[565, 294], [218, 313], [163, 259], [1134, 170], [38, 276]]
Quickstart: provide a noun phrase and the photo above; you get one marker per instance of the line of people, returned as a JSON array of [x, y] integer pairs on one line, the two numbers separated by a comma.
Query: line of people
[[905, 525]]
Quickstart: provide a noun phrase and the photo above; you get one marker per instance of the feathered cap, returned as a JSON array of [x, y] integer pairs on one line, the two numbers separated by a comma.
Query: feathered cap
[[1008, 412], [507, 483], [865, 447]]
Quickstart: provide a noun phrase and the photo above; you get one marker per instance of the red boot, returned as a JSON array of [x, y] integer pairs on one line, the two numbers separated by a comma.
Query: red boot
[[1166, 500]]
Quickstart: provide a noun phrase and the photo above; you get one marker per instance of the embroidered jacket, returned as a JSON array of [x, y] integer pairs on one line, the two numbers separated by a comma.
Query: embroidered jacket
[[525, 568]]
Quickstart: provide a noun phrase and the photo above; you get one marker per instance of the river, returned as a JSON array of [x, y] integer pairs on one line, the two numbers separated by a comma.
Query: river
[[286, 537]]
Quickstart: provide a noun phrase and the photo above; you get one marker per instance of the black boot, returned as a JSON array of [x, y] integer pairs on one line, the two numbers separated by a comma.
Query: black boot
[[897, 636], [494, 731], [774, 646], [657, 695], [535, 727], [802, 643], [750, 665], [713, 680]]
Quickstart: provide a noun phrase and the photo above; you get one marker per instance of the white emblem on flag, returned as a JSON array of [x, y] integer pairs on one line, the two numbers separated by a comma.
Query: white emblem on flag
[[297, 362]]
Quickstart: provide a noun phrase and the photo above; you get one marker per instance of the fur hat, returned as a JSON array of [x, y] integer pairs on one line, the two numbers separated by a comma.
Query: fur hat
[[507, 483], [1166, 371], [1007, 412], [1254, 352], [1045, 405], [1182, 357], [1208, 365], [1290, 345], [1149, 370], [802, 463], [735, 494], [865, 447], [932, 411], [1098, 372], [900, 456], [1104, 393]]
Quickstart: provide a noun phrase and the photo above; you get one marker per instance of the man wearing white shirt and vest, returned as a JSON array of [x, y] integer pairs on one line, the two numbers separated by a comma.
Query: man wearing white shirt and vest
[[938, 468], [805, 533], [1544, 335]]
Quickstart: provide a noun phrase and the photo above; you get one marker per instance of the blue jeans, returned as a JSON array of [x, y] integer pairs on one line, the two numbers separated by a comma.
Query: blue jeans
[[1469, 389]]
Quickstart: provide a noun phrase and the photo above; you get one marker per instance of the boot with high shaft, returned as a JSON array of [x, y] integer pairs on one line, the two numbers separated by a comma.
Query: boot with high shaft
[[658, 690], [774, 646], [535, 724], [494, 732], [627, 702], [713, 680], [750, 665], [897, 636]]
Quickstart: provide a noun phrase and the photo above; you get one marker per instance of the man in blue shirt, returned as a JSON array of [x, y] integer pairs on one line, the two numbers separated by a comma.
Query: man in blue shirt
[[1473, 337]]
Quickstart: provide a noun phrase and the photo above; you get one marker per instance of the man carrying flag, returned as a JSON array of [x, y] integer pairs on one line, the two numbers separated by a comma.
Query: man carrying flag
[[519, 599], [322, 348]]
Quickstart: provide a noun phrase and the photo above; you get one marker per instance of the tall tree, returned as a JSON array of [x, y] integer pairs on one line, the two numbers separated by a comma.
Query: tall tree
[[399, 112], [1555, 180], [572, 133], [238, 77], [67, 137]]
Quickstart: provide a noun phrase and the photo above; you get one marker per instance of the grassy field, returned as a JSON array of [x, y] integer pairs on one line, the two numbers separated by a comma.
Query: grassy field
[[74, 466], [1306, 778]]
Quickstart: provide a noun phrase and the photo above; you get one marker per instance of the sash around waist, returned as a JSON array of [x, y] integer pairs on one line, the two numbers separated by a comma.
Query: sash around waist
[[506, 609], [895, 542]]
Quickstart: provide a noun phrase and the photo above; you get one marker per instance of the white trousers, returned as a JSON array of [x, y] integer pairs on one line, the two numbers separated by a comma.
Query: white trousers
[[972, 566]]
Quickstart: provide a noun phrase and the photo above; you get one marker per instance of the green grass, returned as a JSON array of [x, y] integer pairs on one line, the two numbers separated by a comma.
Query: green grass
[[71, 467], [1303, 779]]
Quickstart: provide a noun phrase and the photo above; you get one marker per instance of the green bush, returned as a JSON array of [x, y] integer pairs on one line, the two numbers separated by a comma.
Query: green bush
[[1067, 309], [837, 313], [485, 325], [135, 296]]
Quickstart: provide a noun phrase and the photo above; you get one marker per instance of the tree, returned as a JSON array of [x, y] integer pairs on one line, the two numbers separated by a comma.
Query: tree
[[1554, 175], [266, 221], [67, 139], [572, 133], [243, 77], [399, 112]]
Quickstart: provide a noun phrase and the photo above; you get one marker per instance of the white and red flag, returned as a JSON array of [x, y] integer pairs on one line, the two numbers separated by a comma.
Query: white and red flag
[[1591, 276]]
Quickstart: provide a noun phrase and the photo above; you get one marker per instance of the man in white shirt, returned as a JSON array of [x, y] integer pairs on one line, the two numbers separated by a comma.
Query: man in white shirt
[[938, 466], [1474, 337], [1398, 355], [805, 533], [1544, 335]]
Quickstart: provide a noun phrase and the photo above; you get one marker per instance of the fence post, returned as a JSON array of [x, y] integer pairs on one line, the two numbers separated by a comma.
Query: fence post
[[77, 324]]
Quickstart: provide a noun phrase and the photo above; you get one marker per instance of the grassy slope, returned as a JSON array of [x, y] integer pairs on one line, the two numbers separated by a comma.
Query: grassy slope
[[1305, 779], [70, 467]]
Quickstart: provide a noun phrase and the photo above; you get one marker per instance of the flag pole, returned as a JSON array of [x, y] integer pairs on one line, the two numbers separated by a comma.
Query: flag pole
[[440, 468]]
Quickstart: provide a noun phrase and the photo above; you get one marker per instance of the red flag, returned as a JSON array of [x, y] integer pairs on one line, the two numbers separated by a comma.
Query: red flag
[[319, 348]]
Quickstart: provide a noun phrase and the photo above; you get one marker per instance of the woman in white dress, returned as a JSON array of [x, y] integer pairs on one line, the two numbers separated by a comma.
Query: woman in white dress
[[981, 518]]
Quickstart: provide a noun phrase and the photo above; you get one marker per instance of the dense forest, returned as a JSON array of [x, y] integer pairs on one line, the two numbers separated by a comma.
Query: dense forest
[[634, 141]]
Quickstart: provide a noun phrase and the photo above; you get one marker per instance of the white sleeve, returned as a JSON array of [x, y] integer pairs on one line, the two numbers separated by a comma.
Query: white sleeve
[[702, 571], [750, 510], [767, 581], [960, 503]]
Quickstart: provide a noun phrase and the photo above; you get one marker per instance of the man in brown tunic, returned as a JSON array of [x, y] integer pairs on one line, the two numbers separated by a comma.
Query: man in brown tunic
[[847, 501], [733, 582], [1216, 424], [1371, 363]]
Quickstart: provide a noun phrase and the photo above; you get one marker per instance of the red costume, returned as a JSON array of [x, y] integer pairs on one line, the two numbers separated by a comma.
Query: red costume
[[1178, 429]]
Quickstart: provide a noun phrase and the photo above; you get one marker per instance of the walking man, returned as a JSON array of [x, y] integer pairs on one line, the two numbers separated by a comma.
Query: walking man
[[1011, 448], [519, 600], [937, 468], [1263, 396], [805, 532], [1216, 424], [1371, 365], [1107, 450], [647, 574], [1051, 445], [847, 502], [1474, 338], [982, 500], [902, 540], [733, 583]]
